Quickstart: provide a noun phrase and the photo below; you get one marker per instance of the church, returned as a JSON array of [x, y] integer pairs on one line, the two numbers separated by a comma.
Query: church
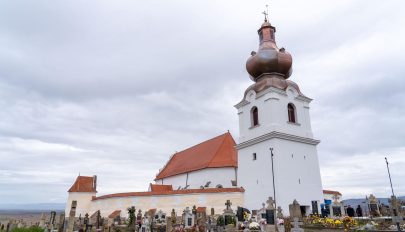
[[274, 156]]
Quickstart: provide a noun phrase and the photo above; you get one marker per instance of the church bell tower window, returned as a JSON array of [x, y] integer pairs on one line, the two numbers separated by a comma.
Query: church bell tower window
[[291, 113], [255, 116]]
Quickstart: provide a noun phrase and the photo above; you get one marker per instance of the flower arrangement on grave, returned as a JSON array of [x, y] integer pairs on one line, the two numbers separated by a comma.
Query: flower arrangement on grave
[[254, 226], [220, 221], [262, 222], [179, 228], [246, 216], [280, 221], [348, 223], [241, 226], [232, 221], [315, 220]]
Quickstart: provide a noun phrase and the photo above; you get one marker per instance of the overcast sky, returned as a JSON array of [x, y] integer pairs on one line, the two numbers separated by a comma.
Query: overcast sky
[[113, 88]]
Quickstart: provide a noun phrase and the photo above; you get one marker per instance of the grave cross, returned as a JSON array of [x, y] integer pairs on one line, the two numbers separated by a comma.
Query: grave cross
[[297, 224], [270, 203], [228, 204]]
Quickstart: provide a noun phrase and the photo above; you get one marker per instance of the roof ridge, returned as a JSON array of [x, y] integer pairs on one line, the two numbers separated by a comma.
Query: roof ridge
[[175, 154], [203, 142]]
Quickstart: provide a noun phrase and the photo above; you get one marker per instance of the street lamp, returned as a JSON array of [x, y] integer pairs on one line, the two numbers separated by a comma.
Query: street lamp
[[394, 207], [272, 171]]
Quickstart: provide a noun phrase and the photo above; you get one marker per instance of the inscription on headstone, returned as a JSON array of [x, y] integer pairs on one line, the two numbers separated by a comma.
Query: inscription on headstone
[[337, 211]]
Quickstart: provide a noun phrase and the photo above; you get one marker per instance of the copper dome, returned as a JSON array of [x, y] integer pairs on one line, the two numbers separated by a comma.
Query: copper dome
[[269, 59]]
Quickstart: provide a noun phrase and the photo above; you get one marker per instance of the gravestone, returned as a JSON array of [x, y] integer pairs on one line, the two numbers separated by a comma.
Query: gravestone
[[173, 216], [239, 214], [295, 210], [145, 227], [201, 219], [61, 222], [52, 221], [188, 218], [261, 213], [42, 221], [159, 224], [336, 210], [86, 223], [117, 220], [270, 211], [229, 215], [280, 212], [314, 205], [72, 217], [374, 208], [270, 215], [98, 219]]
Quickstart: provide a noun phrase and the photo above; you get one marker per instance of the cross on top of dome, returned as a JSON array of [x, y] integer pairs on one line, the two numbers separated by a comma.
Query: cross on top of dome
[[269, 59]]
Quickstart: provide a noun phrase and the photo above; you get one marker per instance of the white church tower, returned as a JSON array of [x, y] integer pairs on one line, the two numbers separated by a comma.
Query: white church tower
[[277, 155]]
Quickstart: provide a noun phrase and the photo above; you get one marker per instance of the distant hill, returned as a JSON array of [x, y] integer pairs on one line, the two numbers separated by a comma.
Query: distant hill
[[33, 207], [355, 202]]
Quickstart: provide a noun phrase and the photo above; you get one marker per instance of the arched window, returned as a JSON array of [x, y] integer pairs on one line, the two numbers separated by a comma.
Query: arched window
[[255, 116], [291, 113]]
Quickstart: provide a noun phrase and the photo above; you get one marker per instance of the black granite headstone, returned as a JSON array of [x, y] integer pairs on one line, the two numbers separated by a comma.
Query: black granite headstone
[[337, 211], [315, 207], [270, 216], [239, 214]]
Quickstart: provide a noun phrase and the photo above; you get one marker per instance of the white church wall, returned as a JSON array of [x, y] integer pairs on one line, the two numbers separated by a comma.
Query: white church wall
[[166, 202], [296, 177], [222, 176], [83, 202]]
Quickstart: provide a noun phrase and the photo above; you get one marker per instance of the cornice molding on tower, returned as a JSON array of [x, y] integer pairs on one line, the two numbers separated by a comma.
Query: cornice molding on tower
[[242, 103], [278, 135], [303, 98]]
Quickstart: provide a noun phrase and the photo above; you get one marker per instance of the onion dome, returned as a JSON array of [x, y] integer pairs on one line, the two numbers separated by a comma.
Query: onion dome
[[269, 59]]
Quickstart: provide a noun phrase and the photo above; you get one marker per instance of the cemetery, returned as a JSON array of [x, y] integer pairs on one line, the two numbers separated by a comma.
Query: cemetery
[[266, 218]]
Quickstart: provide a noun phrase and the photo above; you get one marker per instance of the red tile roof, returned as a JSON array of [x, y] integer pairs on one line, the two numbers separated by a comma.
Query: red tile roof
[[160, 188], [332, 192], [115, 214], [172, 192], [83, 184], [201, 209], [214, 153]]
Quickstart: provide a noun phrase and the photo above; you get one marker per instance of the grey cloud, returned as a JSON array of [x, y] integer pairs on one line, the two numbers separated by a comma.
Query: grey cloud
[[101, 87]]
